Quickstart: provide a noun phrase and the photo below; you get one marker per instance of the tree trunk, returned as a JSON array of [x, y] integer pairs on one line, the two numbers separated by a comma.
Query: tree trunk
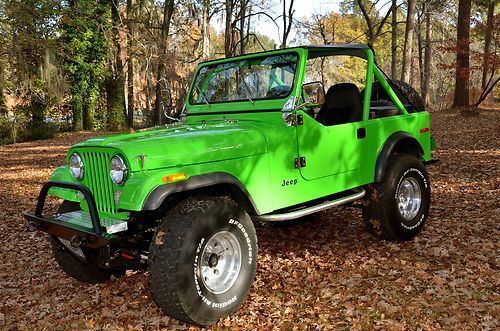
[[427, 56], [77, 107], [205, 30], [408, 44], [394, 40], [228, 33], [115, 85], [168, 10], [3, 107], [487, 42], [420, 46], [130, 66], [287, 22], [243, 12], [89, 109], [461, 97]]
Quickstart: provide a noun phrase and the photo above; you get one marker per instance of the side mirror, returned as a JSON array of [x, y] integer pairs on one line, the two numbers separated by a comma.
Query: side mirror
[[313, 93]]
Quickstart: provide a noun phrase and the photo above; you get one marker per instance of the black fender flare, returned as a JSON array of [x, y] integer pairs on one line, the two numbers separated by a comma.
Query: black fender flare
[[392, 145], [158, 195]]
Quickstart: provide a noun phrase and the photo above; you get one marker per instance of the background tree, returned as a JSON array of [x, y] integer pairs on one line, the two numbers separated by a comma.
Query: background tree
[[287, 22], [373, 21], [130, 64], [461, 96], [394, 38], [85, 59], [161, 86], [408, 41], [115, 76], [91, 64]]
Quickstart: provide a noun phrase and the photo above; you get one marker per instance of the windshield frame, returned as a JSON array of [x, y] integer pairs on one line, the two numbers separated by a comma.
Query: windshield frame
[[271, 102]]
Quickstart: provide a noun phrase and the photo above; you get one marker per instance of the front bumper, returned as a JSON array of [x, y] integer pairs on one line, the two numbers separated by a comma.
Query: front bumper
[[95, 236]]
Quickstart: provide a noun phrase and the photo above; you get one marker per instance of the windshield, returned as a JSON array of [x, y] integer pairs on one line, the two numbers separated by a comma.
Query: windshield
[[262, 78]]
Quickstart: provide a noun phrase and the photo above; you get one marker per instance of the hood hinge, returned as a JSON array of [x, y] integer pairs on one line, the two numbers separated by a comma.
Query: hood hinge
[[297, 120]]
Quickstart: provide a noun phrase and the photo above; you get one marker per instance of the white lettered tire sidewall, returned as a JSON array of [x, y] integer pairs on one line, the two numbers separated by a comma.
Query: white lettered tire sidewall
[[200, 300], [408, 228], [185, 295]]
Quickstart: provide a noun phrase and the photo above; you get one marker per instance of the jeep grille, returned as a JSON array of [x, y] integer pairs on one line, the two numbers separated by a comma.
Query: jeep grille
[[96, 178]]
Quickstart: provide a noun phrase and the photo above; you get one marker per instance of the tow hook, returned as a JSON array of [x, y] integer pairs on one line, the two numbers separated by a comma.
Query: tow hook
[[76, 241], [32, 226]]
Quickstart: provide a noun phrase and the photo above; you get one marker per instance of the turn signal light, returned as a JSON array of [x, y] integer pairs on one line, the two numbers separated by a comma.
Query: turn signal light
[[423, 130], [174, 177]]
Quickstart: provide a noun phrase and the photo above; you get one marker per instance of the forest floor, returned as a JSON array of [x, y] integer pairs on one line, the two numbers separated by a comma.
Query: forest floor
[[328, 273]]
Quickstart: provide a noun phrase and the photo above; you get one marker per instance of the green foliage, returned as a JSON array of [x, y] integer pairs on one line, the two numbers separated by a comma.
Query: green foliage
[[83, 25], [5, 131]]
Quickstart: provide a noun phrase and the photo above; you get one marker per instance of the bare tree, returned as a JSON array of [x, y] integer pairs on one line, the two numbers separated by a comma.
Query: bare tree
[[427, 55], [408, 42], [287, 22], [461, 97], [130, 66], [168, 10], [228, 34], [374, 27], [487, 43], [205, 31], [394, 39]]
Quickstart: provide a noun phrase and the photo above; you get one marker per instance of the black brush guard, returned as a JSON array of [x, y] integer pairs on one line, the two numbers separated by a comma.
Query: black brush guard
[[77, 235]]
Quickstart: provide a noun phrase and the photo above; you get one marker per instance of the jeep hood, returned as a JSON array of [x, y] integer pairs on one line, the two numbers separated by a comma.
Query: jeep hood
[[176, 146]]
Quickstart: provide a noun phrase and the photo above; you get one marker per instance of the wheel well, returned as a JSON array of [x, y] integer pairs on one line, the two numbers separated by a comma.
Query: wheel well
[[216, 190], [408, 146], [399, 142]]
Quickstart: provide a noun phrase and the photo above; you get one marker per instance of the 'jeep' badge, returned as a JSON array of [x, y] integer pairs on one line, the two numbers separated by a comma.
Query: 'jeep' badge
[[289, 182]]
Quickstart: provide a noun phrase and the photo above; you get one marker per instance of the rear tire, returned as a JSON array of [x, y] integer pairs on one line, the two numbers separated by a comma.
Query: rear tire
[[79, 263], [202, 260], [397, 207]]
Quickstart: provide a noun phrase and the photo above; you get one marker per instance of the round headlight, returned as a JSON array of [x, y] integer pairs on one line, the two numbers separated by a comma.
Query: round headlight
[[76, 166], [117, 170]]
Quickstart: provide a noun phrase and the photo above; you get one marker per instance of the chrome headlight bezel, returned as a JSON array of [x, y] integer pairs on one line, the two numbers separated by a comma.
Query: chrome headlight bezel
[[76, 166], [118, 170]]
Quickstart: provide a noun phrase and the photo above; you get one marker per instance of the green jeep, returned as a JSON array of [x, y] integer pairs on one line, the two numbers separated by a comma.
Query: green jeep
[[257, 140]]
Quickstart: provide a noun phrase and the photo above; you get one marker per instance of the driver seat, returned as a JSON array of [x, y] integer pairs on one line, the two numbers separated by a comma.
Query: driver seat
[[342, 105]]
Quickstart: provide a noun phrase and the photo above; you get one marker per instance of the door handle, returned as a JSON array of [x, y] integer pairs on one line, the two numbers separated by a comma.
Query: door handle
[[361, 133]]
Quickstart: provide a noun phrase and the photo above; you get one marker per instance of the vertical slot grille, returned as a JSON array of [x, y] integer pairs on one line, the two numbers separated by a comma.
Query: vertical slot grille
[[96, 178]]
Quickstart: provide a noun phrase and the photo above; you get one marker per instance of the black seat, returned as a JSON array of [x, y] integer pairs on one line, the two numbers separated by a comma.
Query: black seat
[[342, 105]]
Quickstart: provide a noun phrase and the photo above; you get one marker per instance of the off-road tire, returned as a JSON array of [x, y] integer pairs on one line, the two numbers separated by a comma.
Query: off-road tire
[[404, 91], [381, 213], [87, 271], [410, 94], [177, 254]]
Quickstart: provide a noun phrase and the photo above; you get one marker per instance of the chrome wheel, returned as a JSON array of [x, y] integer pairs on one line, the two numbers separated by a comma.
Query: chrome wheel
[[409, 198], [220, 262]]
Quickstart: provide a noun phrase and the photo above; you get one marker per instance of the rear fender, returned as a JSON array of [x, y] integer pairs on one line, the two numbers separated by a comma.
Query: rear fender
[[398, 142]]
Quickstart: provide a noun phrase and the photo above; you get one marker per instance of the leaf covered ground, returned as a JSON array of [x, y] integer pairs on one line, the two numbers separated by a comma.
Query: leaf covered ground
[[328, 273]]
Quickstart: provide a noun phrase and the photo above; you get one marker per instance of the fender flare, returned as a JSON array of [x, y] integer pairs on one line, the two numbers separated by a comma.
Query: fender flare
[[390, 146], [158, 195]]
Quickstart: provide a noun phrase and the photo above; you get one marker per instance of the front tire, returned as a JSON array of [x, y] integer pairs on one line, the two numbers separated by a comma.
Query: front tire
[[202, 260], [397, 208]]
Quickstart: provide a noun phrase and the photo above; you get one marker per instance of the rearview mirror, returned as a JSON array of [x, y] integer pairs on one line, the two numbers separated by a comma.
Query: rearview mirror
[[313, 93]]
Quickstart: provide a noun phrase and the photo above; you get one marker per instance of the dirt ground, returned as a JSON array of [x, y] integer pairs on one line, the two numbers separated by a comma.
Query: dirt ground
[[328, 273]]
